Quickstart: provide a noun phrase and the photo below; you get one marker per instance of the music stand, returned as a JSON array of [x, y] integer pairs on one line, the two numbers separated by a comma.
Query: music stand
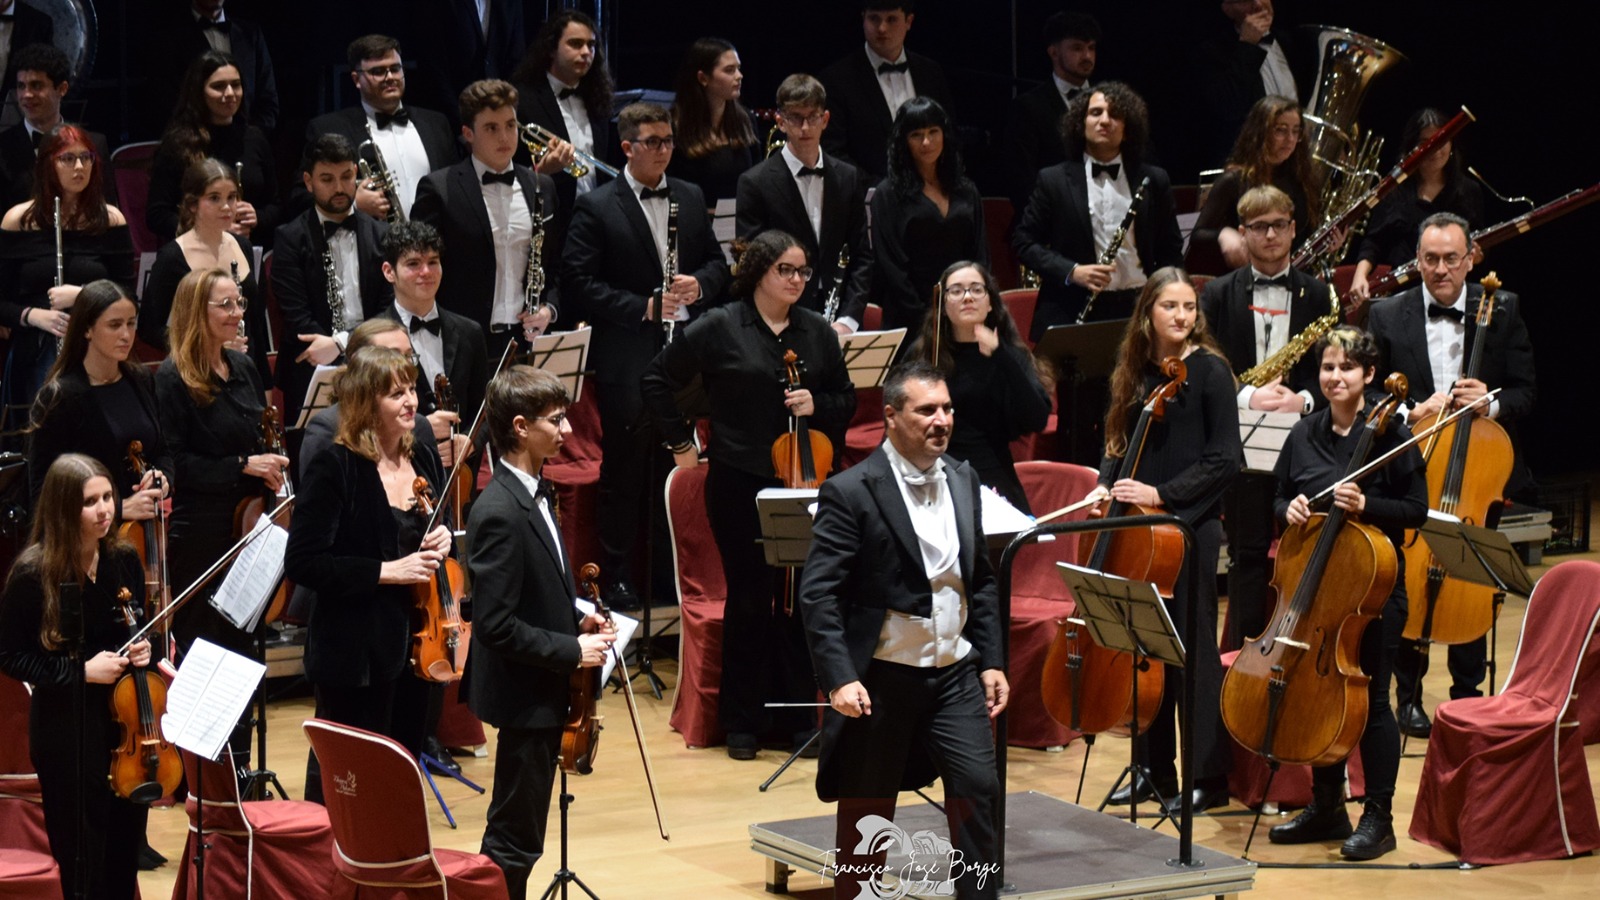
[[1263, 433], [1081, 353], [319, 395], [1127, 616], [868, 355], [785, 515], [563, 354], [1478, 555]]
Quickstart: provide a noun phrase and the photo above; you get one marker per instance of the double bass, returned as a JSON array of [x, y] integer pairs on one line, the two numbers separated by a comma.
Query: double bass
[[1296, 693], [145, 767], [801, 457], [1086, 687], [440, 637]]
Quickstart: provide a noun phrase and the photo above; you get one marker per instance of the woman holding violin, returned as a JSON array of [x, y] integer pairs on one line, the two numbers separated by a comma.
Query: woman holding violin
[[357, 540], [1393, 498], [993, 381], [756, 399], [1187, 460], [58, 642]]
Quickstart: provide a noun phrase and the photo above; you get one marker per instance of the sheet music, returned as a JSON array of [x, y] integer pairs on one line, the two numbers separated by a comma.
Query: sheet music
[[626, 628], [869, 354], [723, 224], [319, 394], [253, 577], [1263, 434], [1000, 517], [212, 689], [563, 354]]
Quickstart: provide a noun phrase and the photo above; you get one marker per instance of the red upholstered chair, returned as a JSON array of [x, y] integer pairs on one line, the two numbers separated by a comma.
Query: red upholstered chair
[[21, 811], [1021, 304], [701, 594], [865, 431], [29, 875], [381, 844], [872, 319], [1505, 778], [130, 166], [575, 472], [257, 848], [1588, 701], [997, 216]]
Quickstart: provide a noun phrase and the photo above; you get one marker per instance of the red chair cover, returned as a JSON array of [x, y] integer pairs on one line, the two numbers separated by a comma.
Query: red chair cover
[[21, 812], [29, 875], [865, 431], [1021, 303], [458, 727], [1588, 701], [575, 472], [381, 844], [130, 166], [701, 593], [1505, 778], [260, 848], [997, 216]]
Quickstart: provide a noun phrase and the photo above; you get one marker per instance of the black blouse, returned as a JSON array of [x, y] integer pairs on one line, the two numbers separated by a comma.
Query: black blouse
[[209, 443], [1391, 235], [912, 244], [71, 416], [1315, 456], [231, 144], [155, 304], [1221, 210], [716, 173], [28, 266], [1190, 456]]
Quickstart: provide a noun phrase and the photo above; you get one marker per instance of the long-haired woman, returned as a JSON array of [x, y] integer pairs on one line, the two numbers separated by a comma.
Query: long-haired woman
[[711, 129], [1271, 149]]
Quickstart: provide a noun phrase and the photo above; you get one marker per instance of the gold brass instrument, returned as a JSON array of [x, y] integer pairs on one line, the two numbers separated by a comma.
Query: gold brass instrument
[[1278, 364], [830, 307], [1114, 246], [378, 174], [776, 139], [233, 266], [670, 270], [538, 140]]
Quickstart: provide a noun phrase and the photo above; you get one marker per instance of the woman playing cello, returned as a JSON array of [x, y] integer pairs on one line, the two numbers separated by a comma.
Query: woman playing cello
[[1393, 498]]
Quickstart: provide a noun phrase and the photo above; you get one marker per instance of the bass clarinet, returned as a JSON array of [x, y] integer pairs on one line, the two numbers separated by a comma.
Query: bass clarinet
[[670, 270], [830, 307], [1115, 245]]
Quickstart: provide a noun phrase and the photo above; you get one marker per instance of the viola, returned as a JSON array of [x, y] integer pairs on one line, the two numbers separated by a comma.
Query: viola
[[444, 397], [1296, 693], [1086, 687], [801, 457], [440, 638], [580, 735], [251, 509], [148, 538], [1443, 609], [144, 766]]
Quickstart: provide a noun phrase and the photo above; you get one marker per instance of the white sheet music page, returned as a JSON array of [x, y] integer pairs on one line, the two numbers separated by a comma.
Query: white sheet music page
[[210, 693], [253, 577], [626, 628]]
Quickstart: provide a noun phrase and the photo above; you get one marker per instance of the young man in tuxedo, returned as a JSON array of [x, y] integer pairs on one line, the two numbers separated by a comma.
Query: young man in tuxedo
[[1078, 204], [1033, 128], [1253, 312], [565, 89], [485, 208], [527, 637], [42, 81], [317, 319], [815, 197], [1425, 333], [413, 141], [616, 259], [902, 616], [868, 87]]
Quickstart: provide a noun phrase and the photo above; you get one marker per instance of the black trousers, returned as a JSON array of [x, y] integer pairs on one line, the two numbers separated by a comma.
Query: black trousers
[[519, 808], [940, 711], [1469, 666], [764, 655], [1380, 742], [1248, 519], [113, 829], [368, 706]]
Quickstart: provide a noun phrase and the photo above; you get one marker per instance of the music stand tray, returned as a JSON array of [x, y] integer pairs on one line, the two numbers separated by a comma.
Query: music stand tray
[[563, 354], [1092, 345], [869, 354], [1124, 615], [785, 515], [1263, 434], [1476, 554]]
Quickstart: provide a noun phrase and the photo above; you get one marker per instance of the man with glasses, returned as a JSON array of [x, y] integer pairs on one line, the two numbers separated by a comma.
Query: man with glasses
[[43, 74], [616, 260], [413, 141], [818, 198], [1425, 333]]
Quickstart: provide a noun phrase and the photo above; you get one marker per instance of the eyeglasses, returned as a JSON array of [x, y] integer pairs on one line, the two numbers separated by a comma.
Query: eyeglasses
[[961, 292], [1262, 229], [1451, 261], [654, 144], [1286, 131], [231, 305], [557, 420], [71, 160], [379, 73], [788, 272], [795, 121]]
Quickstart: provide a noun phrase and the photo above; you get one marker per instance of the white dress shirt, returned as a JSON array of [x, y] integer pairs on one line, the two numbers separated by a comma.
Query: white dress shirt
[[511, 227], [1276, 77], [1269, 309], [1109, 201], [347, 265], [580, 134], [429, 346], [532, 484], [1447, 344], [1068, 89], [897, 87], [810, 188], [403, 152], [937, 641], [655, 212]]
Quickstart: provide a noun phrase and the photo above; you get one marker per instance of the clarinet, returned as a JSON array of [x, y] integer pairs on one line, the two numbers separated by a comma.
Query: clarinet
[[233, 264], [670, 270], [61, 269], [1115, 245], [830, 308], [533, 280], [335, 288]]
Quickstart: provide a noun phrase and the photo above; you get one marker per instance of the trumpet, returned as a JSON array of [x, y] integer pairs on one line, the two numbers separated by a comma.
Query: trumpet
[[539, 140], [379, 174]]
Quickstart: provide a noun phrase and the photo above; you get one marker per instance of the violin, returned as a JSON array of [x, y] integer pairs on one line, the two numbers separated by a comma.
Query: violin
[[251, 509], [444, 397], [440, 640], [144, 766], [1296, 692], [801, 457], [149, 538], [580, 736], [1443, 609], [1086, 687]]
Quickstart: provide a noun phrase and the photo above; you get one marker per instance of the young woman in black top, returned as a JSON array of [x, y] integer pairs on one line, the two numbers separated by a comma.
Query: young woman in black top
[[1187, 461], [715, 140], [993, 381], [737, 350], [43, 642], [1393, 498]]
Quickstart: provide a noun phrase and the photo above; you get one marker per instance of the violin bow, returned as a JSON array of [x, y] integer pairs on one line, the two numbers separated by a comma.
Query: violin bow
[[472, 435], [1404, 446]]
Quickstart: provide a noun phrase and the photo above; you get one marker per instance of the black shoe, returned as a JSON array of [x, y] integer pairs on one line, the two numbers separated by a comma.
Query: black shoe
[[1203, 797], [150, 860], [441, 756], [1324, 820], [1373, 837], [620, 597], [808, 743], [742, 745], [1124, 796], [1413, 721]]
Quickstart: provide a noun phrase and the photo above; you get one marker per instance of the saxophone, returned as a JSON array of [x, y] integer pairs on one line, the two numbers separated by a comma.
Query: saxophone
[[378, 173], [830, 308], [335, 289], [670, 270], [1114, 246], [1278, 364], [533, 279]]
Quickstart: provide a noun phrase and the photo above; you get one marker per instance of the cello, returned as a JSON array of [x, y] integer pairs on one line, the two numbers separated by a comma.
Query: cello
[[440, 640], [801, 457], [144, 766], [1296, 692], [1096, 693], [149, 538], [1443, 609]]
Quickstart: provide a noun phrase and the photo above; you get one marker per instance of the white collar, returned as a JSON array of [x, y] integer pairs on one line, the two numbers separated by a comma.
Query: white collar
[[480, 167], [1063, 85], [636, 185], [875, 60], [794, 162], [903, 467], [1460, 300], [407, 315]]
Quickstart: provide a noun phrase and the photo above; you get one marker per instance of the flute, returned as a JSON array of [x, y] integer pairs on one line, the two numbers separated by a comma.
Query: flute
[[61, 268]]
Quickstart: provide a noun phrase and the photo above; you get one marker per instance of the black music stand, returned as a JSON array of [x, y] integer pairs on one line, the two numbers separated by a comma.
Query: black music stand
[[1082, 354], [1128, 616], [785, 515], [1478, 555]]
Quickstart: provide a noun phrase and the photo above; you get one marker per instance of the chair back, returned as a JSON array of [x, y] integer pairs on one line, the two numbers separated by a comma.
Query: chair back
[[695, 557], [130, 167], [374, 794], [1049, 486], [17, 776], [1557, 630], [998, 214], [219, 791], [872, 319], [1021, 303]]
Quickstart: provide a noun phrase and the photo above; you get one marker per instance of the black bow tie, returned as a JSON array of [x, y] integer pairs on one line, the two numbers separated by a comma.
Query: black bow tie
[[564, 93], [546, 491], [1267, 40], [652, 193], [808, 172], [889, 68], [508, 177], [401, 115], [1110, 169], [1280, 280], [38, 138], [1435, 311], [418, 323], [220, 27], [330, 227]]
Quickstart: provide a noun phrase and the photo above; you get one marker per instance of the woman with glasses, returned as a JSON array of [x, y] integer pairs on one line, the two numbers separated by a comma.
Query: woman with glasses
[[714, 137], [1271, 149], [210, 206], [209, 120], [737, 351], [39, 280], [993, 381]]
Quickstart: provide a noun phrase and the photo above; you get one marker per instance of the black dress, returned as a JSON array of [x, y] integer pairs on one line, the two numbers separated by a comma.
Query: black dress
[[231, 144], [115, 827], [1221, 211], [912, 244], [155, 304], [716, 173]]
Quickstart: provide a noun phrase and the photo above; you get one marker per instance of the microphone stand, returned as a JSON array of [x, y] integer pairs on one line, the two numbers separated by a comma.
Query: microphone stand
[[70, 597]]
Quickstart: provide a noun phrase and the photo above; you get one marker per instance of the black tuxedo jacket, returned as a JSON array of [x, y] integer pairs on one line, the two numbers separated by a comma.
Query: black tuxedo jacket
[[861, 121], [768, 198], [451, 49], [612, 269], [300, 287], [536, 104], [1033, 138], [1397, 324], [466, 361], [524, 626], [16, 165], [1055, 233], [451, 200], [438, 141], [1226, 304], [864, 560]]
